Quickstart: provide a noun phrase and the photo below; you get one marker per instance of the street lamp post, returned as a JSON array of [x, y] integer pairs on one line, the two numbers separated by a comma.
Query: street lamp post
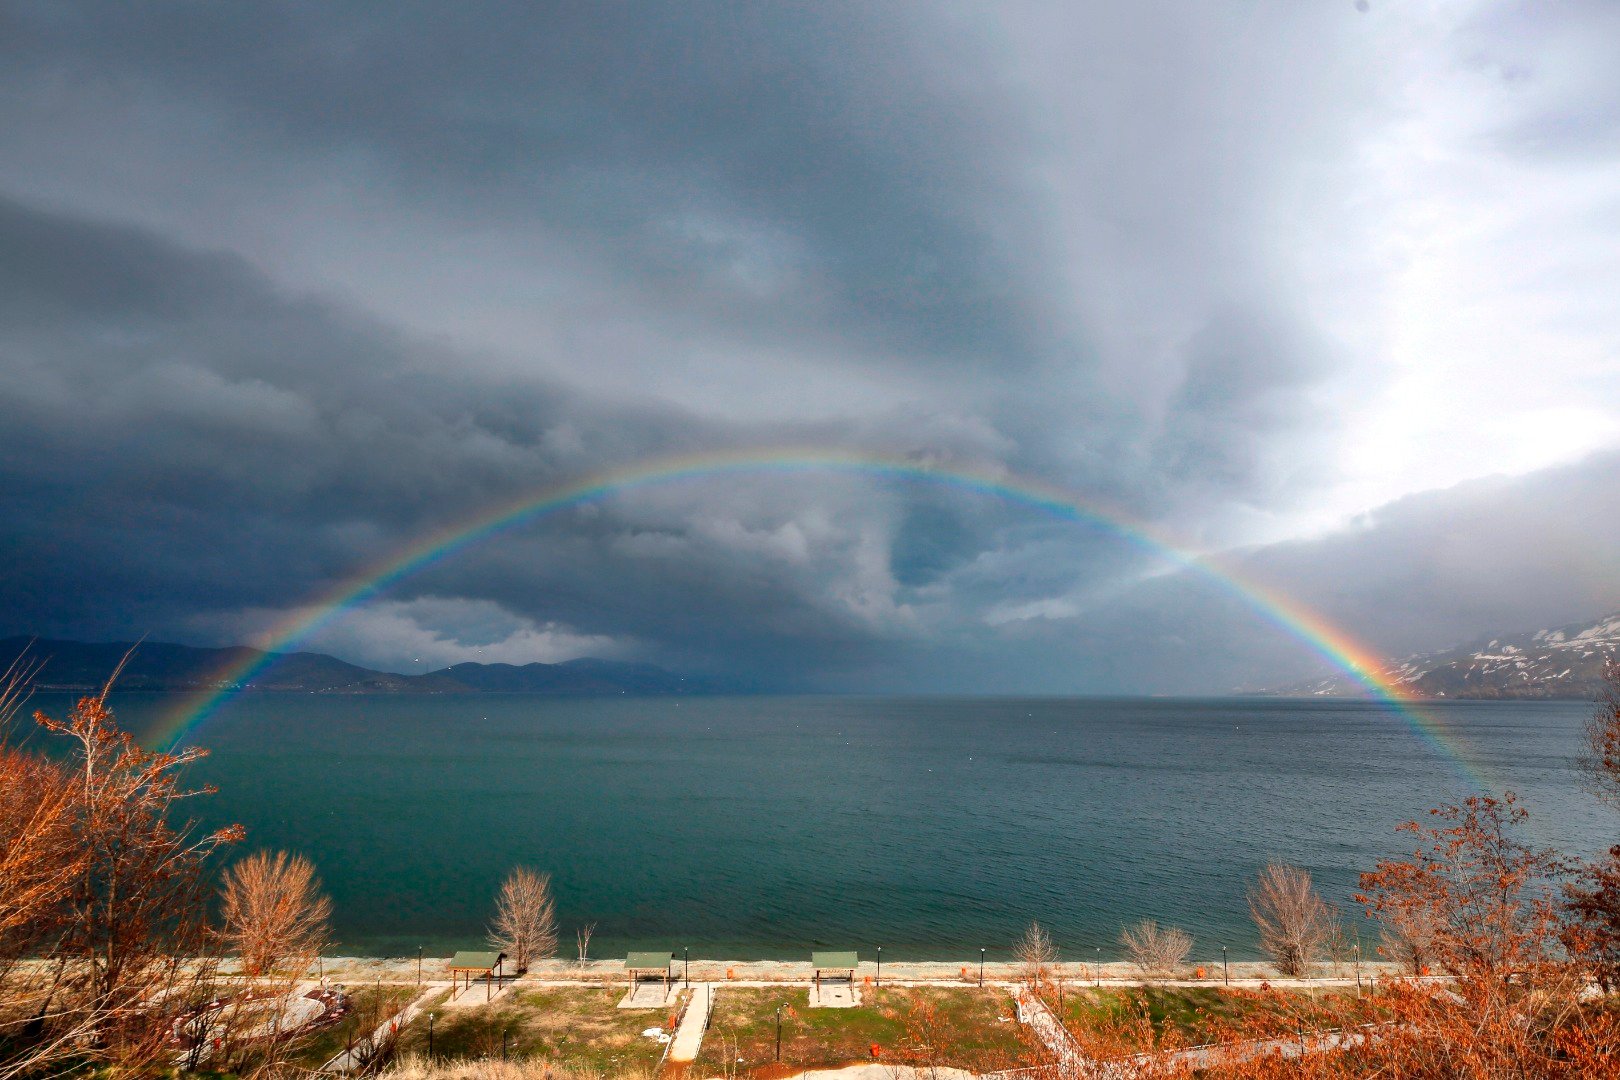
[[1098, 968], [430, 1035], [779, 1009], [686, 965], [880, 968], [981, 967], [1358, 969], [419, 965], [1226, 972]]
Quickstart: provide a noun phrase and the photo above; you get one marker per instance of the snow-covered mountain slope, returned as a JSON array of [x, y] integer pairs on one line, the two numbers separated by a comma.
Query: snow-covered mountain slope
[[1562, 662]]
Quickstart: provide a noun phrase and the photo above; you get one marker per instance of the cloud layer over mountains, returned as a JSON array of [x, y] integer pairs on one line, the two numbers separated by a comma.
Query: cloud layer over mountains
[[283, 288]]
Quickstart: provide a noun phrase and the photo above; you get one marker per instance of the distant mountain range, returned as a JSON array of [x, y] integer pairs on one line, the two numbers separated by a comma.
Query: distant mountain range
[[1561, 662], [78, 665]]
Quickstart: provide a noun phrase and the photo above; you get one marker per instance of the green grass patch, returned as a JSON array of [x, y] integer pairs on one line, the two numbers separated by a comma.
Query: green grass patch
[[959, 1027], [575, 1027], [1190, 1015]]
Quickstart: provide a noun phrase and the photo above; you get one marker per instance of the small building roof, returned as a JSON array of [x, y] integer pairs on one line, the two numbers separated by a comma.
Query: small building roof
[[475, 961], [648, 961], [834, 961]]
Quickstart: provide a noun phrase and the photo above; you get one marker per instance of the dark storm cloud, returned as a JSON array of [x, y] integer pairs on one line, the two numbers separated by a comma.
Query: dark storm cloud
[[185, 441], [624, 126], [284, 286], [871, 190]]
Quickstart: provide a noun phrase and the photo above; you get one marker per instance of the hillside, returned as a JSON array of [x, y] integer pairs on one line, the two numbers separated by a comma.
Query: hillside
[[77, 665], [1564, 662]]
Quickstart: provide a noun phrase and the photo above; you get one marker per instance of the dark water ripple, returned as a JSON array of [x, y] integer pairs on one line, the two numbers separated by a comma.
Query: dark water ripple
[[762, 827]]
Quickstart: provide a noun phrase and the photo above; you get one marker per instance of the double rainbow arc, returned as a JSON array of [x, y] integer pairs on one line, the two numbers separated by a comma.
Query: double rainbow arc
[[1306, 626]]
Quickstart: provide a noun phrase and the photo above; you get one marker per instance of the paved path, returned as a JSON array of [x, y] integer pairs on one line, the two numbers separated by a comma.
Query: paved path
[[1033, 1012], [1072, 1063], [357, 1058], [689, 1035]]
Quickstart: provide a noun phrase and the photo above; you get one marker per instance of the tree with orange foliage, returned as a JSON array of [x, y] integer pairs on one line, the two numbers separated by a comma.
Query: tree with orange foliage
[[106, 888], [1594, 894], [1600, 759], [1489, 905], [1510, 1004], [1482, 896]]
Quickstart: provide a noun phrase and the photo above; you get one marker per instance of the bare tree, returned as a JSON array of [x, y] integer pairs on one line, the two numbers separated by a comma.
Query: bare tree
[[1036, 953], [1408, 943], [274, 911], [1155, 949], [525, 926], [582, 938], [1295, 923]]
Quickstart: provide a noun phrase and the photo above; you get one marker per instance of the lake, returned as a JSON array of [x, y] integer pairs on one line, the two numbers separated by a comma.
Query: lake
[[760, 827]]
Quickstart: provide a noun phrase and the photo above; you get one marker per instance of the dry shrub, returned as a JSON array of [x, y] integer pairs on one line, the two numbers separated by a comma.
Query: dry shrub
[[1155, 949], [418, 1068], [525, 926], [274, 912], [1295, 923], [1593, 931]]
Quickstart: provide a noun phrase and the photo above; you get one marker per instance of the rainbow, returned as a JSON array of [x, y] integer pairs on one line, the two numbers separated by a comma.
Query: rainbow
[[1281, 611]]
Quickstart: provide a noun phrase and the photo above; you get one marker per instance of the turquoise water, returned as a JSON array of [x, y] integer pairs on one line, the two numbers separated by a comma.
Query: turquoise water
[[759, 827]]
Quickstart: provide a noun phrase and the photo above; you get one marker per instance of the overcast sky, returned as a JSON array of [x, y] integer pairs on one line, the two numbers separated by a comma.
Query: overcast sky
[[1325, 286]]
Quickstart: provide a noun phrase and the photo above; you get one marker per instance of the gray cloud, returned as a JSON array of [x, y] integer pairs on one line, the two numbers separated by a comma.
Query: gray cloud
[[283, 287]]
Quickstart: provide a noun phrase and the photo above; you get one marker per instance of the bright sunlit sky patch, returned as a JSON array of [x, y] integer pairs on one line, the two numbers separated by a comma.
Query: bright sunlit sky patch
[[282, 287]]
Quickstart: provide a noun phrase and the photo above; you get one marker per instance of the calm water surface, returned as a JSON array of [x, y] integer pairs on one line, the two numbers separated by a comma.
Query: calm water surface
[[764, 826]]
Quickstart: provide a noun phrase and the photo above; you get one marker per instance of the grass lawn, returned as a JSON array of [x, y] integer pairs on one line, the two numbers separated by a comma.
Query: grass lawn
[[370, 1005], [578, 1027], [1187, 1012], [946, 1026]]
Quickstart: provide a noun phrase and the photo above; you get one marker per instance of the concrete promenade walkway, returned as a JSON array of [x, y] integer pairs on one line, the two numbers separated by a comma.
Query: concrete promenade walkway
[[1248, 974], [689, 1035]]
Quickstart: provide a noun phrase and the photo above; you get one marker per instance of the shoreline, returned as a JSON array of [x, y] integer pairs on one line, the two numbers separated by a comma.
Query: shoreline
[[948, 972]]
